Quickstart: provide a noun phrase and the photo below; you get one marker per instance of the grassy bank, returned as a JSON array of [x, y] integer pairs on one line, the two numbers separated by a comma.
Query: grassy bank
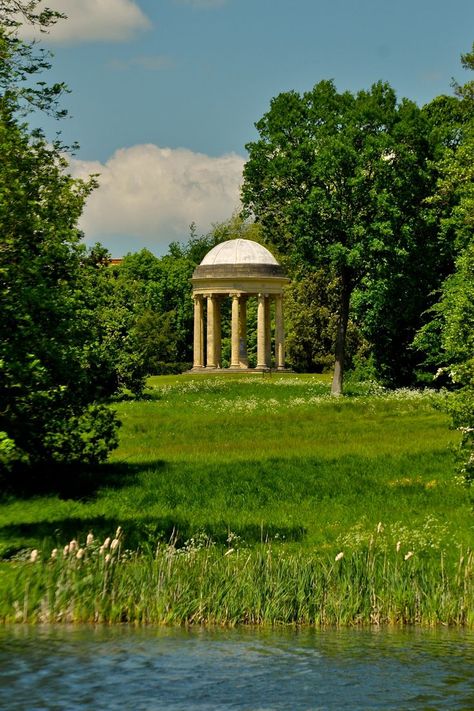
[[278, 472]]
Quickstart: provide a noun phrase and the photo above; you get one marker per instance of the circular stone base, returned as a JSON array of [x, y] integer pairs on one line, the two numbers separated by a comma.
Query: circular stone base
[[234, 371]]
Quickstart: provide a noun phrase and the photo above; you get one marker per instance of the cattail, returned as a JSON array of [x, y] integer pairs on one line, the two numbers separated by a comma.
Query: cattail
[[339, 556]]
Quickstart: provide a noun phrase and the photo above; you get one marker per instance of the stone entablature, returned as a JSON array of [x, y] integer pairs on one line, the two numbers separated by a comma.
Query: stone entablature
[[237, 269]]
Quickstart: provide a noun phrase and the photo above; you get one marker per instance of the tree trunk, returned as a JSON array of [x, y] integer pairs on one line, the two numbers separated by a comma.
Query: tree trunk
[[346, 290]]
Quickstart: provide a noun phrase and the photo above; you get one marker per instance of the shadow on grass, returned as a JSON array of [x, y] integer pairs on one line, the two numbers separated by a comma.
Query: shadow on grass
[[143, 534], [72, 482]]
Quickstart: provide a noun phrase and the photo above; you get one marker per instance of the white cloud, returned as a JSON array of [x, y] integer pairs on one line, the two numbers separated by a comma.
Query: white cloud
[[148, 196], [92, 20]]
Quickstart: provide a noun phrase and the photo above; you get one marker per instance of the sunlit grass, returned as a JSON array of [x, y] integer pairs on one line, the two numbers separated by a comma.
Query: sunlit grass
[[201, 583], [279, 473]]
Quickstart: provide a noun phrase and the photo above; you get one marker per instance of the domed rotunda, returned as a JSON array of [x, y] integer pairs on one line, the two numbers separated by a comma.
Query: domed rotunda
[[238, 269]]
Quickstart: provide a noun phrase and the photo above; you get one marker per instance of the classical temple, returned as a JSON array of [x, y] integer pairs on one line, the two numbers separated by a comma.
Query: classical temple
[[238, 269]]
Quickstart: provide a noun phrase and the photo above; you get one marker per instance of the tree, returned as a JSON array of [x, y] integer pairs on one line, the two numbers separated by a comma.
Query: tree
[[52, 408], [338, 182], [449, 336]]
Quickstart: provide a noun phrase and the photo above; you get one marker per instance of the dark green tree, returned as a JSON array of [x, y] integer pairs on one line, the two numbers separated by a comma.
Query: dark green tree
[[338, 182], [52, 408], [448, 338]]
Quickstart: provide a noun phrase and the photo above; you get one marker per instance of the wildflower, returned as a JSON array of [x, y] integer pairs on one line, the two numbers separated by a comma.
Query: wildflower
[[66, 550], [34, 555], [89, 539], [379, 527], [108, 558], [118, 532], [54, 553], [80, 553], [229, 551], [399, 544], [114, 544], [339, 556], [408, 555], [73, 545]]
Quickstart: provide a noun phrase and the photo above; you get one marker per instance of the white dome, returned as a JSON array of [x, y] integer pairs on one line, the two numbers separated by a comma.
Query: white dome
[[239, 251]]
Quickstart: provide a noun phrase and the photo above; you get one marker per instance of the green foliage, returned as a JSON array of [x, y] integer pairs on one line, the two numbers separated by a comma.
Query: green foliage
[[51, 388], [338, 182], [456, 318], [311, 314], [448, 337]]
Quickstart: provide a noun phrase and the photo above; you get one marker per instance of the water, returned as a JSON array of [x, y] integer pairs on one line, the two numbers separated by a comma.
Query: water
[[69, 668]]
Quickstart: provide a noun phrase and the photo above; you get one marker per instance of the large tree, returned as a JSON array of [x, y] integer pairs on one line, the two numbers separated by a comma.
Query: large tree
[[338, 182], [52, 387], [448, 337]]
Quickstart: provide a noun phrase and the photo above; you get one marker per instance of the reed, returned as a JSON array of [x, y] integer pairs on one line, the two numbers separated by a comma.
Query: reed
[[203, 583]]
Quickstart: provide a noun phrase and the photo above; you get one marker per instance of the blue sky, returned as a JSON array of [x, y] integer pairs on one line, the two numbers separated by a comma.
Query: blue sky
[[165, 92]]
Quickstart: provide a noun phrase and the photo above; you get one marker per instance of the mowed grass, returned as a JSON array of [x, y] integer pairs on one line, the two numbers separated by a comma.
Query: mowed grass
[[242, 460]]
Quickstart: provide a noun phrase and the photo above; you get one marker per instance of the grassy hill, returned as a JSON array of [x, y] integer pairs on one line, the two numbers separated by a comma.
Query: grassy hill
[[252, 463]]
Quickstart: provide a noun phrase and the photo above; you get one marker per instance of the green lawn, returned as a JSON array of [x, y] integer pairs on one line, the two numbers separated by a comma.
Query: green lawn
[[263, 458]]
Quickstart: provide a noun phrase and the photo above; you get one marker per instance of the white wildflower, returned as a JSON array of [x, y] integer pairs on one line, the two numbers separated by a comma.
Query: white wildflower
[[106, 543], [108, 558], [54, 553], [80, 553], [34, 555], [66, 550], [114, 544], [399, 545], [339, 556], [229, 551], [408, 555], [89, 539], [73, 545]]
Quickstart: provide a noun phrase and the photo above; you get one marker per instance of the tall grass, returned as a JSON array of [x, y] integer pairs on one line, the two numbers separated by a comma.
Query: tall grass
[[201, 583]]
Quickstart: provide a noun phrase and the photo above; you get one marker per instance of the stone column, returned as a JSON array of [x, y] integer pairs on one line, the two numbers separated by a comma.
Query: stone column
[[217, 332], [261, 333], [198, 332], [268, 333], [234, 356], [211, 322], [243, 357], [279, 334]]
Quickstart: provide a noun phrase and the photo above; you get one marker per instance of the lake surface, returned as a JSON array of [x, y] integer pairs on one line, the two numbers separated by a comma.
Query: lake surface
[[69, 668]]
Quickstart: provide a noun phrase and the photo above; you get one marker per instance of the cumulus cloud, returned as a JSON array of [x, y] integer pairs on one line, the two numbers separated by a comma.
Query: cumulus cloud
[[93, 20], [148, 196]]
